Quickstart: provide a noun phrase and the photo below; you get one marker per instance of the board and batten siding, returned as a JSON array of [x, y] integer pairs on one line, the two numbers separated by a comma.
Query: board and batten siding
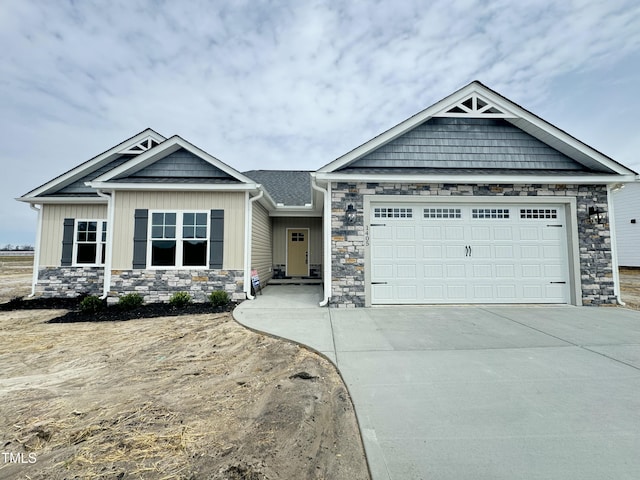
[[233, 204], [261, 243], [280, 225], [52, 227], [626, 209]]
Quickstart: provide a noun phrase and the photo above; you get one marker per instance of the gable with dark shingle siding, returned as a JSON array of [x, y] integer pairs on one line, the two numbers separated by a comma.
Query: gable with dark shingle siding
[[467, 143]]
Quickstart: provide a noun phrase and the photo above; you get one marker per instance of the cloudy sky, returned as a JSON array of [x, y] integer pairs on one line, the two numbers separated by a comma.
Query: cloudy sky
[[294, 84]]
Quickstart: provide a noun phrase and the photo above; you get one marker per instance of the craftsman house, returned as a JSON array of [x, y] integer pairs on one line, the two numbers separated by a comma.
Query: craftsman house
[[473, 200]]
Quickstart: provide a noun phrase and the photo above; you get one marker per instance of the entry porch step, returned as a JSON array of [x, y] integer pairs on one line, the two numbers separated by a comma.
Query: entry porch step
[[295, 281]]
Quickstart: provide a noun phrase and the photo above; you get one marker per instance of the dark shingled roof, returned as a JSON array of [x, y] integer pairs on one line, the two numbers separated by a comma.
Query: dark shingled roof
[[291, 188]]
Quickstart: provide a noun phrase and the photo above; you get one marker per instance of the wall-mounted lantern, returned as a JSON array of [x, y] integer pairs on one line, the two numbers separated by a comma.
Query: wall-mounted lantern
[[350, 215], [594, 214]]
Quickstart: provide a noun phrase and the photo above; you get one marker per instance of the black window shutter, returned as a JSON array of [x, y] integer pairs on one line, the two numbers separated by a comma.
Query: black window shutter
[[67, 242], [216, 242], [141, 217]]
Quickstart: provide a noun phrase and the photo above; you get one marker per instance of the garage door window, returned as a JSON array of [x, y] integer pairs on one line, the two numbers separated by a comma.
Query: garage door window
[[392, 212], [490, 213], [538, 213], [442, 213]]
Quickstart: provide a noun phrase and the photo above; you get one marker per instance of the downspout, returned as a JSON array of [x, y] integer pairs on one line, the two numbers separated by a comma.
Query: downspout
[[248, 241], [326, 240], [36, 257], [614, 243], [108, 261]]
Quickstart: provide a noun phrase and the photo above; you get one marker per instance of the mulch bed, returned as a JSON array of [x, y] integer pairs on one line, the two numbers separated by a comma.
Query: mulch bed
[[109, 314]]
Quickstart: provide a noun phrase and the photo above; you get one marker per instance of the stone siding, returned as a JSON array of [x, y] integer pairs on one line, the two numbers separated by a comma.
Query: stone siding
[[348, 246], [69, 281], [159, 285]]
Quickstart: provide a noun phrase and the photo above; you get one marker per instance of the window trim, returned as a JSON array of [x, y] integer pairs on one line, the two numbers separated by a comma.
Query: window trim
[[101, 232], [179, 240]]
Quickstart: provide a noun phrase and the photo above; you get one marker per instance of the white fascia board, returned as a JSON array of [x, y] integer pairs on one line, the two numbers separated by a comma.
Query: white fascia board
[[226, 187], [478, 179], [92, 164], [66, 200], [166, 148]]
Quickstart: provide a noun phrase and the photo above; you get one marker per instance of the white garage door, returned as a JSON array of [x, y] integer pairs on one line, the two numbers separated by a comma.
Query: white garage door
[[468, 254]]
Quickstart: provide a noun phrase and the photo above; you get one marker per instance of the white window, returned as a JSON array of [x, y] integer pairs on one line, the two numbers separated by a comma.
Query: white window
[[179, 239], [90, 242]]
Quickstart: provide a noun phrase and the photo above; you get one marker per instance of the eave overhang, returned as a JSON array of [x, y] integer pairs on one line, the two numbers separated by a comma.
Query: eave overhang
[[62, 200], [476, 179], [170, 187]]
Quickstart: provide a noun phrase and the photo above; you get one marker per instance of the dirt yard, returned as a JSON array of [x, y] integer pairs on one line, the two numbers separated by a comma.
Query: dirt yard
[[630, 287], [187, 397]]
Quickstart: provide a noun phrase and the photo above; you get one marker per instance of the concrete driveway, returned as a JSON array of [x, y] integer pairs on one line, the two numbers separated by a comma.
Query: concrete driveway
[[491, 392]]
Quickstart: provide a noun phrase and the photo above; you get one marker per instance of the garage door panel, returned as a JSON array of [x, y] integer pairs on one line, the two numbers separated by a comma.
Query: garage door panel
[[435, 293], [432, 251], [481, 251], [382, 232], [382, 271], [532, 291], [502, 233], [449, 256], [406, 251], [482, 293], [433, 271], [482, 271], [554, 291], [406, 271], [432, 232], [407, 293], [481, 233], [506, 292], [552, 233], [453, 232], [553, 271], [456, 292], [456, 271], [405, 233], [505, 271], [530, 251], [551, 251], [529, 233], [382, 252], [454, 251], [383, 293]]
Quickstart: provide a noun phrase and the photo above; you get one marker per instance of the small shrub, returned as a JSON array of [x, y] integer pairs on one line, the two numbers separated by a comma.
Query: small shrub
[[130, 301], [180, 299], [219, 298], [91, 304]]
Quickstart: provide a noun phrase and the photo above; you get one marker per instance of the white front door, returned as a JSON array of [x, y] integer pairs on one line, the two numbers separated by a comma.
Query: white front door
[[461, 253]]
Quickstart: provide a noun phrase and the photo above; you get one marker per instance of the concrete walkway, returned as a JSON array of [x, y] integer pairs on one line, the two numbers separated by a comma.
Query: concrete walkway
[[492, 392]]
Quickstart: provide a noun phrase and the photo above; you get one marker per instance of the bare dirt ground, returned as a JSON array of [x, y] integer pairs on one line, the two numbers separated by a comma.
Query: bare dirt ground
[[630, 287], [188, 397]]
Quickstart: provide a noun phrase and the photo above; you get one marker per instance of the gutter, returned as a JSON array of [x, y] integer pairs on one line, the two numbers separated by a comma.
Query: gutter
[[36, 258], [614, 242], [109, 254], [326, 240], [247, 243]]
